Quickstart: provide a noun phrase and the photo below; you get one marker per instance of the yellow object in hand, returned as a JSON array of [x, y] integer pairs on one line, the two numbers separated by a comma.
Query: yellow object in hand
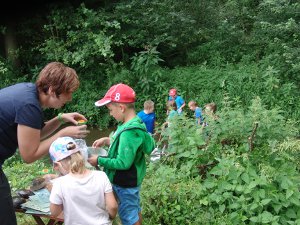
[[81, 122]]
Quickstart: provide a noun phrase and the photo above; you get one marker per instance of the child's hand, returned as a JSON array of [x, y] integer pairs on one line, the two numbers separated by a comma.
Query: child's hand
[[101, 142], [48, 178], [49, 186], [93, 160]]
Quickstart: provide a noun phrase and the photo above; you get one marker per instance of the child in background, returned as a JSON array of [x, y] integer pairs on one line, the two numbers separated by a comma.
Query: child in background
[[85, 196], [125, 164], [210, 110], [172, 109], [198, 112], [148, 116], [180, 103]]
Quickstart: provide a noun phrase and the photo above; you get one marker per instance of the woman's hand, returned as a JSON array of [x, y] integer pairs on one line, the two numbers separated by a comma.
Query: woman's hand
[[72, 117], [75, 131]]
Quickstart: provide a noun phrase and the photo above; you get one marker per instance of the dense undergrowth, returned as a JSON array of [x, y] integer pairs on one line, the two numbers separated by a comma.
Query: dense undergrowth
[[243, 168]]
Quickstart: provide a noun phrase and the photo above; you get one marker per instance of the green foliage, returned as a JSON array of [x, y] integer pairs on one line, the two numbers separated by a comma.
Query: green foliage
[[20, 176], [3, 68], [277, 27], [240, 83], [8, 74], [79, 37], [242, 55], [84, 102], [236, 126], [15, 169], [245, 193], [173, 26], [237, 184], [169, 198], [150, 85]]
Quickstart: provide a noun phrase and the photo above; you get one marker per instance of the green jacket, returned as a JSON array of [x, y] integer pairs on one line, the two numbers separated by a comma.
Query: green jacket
[[125, 165]]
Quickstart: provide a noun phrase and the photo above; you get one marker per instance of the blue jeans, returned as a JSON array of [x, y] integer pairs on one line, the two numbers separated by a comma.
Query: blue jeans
[[129, 204]]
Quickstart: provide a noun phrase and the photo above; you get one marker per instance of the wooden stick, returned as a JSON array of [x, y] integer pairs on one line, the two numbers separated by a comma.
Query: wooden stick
[[251, 138]]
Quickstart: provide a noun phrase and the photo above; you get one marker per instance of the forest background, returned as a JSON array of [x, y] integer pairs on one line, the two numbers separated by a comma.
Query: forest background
[[244, 55]]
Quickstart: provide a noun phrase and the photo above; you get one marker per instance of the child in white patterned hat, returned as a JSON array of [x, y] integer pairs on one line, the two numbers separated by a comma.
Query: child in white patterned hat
[[85, 196]]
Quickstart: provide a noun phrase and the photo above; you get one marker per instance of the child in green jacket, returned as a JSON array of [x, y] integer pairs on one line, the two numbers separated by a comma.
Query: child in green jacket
[[125, 165]]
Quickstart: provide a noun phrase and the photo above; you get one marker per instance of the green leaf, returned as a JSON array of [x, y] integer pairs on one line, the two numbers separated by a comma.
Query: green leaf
[[184, 154], [252, 184], [289, 193], [209, 184], [266, 201], [266, 217], [277, 208], [152, 208], [262, 193], [215, 197], [239, 188], [245, 177], [227, 195], [204, 202], [216, 171], [234, 205], [224, 186], [254, 219], [290, 213], [222, 208], [253, 206], [233, 215], [295, 201], [285, 183]]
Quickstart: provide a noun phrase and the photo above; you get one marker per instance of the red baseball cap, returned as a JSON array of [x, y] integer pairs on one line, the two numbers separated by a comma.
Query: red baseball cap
[[172, 92], [121, 93]]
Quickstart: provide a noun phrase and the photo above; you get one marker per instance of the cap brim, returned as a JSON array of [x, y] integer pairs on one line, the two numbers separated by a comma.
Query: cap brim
[[70, 152], [102, 102]]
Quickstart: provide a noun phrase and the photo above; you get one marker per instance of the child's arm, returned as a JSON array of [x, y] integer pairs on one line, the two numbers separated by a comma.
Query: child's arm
[[50, 176], [55, 209], [56, 203], [111, 205]]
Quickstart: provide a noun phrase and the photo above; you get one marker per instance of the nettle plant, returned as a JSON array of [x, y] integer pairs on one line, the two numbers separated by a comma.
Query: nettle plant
[[253, 193], [243, 168]]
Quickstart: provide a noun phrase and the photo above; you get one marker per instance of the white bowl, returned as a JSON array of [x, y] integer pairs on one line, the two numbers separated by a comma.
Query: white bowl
[[96, 151]]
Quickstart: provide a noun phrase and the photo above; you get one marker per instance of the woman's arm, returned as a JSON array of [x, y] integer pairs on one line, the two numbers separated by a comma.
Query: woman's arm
[[32, 149], [52, 125]]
